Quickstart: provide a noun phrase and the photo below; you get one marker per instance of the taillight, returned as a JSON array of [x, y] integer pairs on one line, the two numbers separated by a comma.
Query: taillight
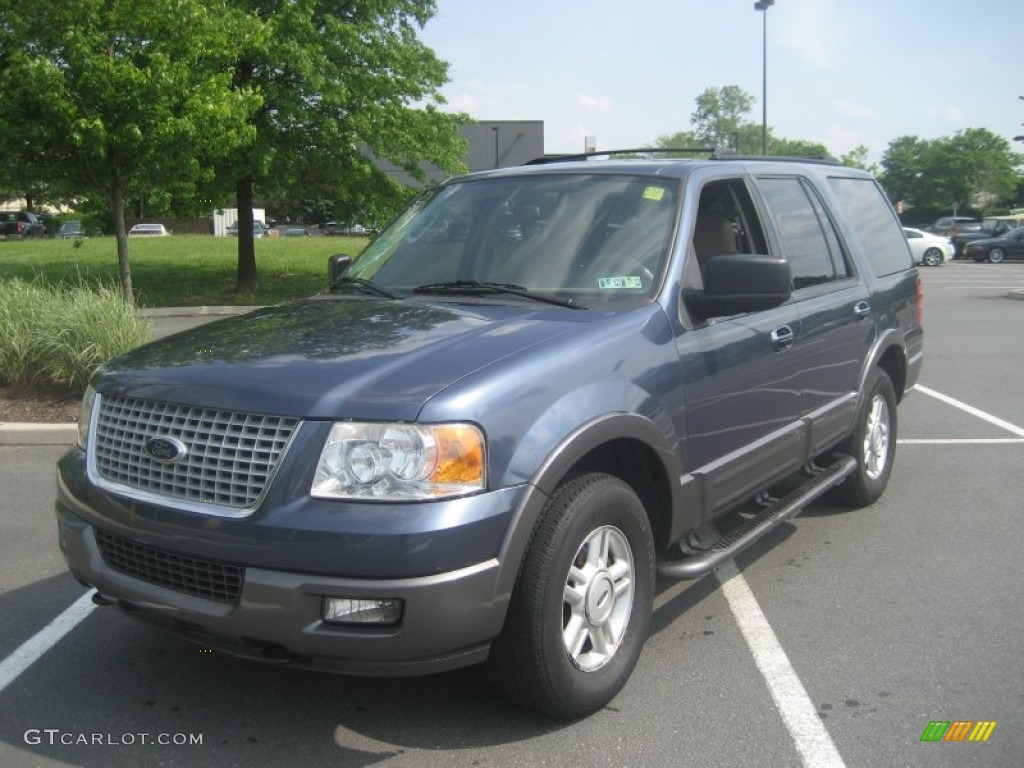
[[919, 303]]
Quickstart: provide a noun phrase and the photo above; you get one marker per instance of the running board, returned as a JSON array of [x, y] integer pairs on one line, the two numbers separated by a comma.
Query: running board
[[736, 541]]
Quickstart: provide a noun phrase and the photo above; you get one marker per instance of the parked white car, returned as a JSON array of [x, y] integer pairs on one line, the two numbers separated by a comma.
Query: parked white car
[[928, 249], [158, 230]]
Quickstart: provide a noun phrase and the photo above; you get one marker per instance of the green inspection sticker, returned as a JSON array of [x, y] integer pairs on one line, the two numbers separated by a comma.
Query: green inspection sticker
[[612, 283], [654, 193]]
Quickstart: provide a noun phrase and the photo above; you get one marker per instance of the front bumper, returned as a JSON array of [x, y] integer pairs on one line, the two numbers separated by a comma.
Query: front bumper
[[450, 614], [448, 619]]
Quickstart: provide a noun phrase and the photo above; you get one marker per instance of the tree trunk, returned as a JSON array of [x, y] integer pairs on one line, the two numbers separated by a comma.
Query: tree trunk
[[123, 265], [248, 281]]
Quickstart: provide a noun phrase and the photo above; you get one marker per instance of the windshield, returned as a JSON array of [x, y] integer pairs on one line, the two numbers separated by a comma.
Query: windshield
[[594, 237]]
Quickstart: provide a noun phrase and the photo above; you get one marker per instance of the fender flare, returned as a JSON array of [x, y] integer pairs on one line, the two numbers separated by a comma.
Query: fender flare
[[558, 463]]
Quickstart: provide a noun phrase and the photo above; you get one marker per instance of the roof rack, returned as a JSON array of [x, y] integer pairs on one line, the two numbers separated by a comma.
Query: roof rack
[[719, 153], [613, 152], [731, 154]]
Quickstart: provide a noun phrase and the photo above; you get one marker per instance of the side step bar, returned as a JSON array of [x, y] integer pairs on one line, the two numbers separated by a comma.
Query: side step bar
[[733, 543]]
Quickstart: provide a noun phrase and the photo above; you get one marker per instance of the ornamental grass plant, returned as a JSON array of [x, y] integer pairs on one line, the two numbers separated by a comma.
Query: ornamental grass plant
[[55, 336]]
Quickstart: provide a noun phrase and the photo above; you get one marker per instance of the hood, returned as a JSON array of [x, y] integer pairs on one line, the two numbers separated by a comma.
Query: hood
[[331, 357]]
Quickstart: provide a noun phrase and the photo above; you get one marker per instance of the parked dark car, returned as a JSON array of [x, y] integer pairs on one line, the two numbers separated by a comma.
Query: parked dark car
[[71, 230], [947, 226], [998, 249], [334, 229], [484, 442], [18, 225], [259, 229], [991, 226]]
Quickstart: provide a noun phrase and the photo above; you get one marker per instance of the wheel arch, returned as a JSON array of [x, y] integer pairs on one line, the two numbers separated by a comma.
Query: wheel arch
[[624, 445], [889, 354]]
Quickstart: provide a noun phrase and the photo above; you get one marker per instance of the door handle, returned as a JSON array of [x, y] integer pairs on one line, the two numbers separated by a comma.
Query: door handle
[[782, 337], [862, 309]]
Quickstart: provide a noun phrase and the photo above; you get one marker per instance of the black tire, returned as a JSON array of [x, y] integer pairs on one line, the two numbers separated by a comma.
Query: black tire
[[996, 255], [873, 444], [932, 257], [587, 581]]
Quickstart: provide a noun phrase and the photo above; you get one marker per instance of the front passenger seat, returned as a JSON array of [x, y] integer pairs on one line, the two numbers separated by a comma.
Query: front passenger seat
[[712, 235]]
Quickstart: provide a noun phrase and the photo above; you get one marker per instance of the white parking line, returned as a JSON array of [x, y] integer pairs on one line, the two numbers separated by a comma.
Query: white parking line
[[32, 649], [961, 441], [1019, 431], [812, 739]]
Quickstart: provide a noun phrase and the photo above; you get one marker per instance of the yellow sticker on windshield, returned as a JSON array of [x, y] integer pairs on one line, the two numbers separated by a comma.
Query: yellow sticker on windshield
[[654, 193], [612, 283]]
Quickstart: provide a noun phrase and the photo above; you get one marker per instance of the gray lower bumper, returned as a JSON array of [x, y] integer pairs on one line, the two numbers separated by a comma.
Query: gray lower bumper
[[448, 621]]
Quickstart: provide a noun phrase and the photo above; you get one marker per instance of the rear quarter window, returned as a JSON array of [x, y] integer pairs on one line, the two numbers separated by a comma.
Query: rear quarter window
[[874, 223]]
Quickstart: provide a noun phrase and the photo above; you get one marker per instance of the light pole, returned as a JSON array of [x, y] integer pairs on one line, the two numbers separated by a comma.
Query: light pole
[[763, 6]]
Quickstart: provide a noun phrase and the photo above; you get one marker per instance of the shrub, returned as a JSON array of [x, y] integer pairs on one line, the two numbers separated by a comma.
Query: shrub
[[56, 336]]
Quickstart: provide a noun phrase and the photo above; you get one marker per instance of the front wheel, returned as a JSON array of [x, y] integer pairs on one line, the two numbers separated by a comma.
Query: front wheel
[[932, 257], [581, 609], [873, 444], [996, 255]]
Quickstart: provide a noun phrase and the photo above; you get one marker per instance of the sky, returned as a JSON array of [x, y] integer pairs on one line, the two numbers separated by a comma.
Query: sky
[[840, 72]]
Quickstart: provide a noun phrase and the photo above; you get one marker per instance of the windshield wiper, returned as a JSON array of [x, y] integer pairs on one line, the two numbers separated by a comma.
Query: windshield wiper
[[367, 285], [477, 286]]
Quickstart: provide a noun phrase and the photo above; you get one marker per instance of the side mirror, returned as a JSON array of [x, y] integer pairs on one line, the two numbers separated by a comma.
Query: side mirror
[[336, 266], [735, 283]]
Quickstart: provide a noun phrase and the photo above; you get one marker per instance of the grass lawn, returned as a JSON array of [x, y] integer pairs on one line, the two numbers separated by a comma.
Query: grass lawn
[[182, 270]]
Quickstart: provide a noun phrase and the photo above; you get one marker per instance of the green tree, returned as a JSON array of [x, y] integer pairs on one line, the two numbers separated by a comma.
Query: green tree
[[342, 81], [116, 97], [720, 117], [858, 158], [720, 120], [973, 169], [796, 147]]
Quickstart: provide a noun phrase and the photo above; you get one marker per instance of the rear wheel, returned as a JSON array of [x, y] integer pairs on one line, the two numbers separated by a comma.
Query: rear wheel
[[873, 444], [996, 255], [932, 257], [580, 612]]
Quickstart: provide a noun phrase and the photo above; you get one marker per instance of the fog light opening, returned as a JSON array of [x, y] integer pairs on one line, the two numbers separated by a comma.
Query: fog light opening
[[361, 611]]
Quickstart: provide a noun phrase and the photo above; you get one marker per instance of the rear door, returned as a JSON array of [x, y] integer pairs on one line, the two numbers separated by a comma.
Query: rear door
[[832, 302]]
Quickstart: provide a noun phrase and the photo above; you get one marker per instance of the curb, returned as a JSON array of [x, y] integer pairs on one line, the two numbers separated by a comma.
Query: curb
[[15, 433], [223, 311]]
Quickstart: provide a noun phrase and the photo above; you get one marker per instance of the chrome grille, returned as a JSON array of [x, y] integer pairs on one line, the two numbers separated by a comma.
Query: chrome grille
[[228, 460], [200, 578]]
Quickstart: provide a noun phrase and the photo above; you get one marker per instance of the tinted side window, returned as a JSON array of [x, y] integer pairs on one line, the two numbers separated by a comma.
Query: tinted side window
[[800, 229], [874, 223]]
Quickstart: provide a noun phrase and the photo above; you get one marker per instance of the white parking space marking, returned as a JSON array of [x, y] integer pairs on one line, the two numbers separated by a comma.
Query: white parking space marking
[[32, 649], [812, 739], [961, 441], [1019, 431]]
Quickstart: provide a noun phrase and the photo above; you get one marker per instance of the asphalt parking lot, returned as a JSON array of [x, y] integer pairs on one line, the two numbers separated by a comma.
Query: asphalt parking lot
[[835, 641]]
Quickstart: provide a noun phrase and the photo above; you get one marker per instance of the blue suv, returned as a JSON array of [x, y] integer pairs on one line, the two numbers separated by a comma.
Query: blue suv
[[539, 389]]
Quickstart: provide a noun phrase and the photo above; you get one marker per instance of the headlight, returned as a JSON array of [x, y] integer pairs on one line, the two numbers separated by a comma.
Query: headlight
[[400, 461], [85, 416]]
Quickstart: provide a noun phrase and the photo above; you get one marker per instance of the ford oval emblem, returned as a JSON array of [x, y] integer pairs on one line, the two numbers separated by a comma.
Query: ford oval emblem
[[165, 450]]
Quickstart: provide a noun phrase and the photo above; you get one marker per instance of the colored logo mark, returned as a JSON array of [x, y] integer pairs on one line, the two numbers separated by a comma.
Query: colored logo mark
[[958, 730]]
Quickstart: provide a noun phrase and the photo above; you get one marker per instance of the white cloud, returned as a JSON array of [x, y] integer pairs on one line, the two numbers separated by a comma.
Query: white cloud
[[840, 140], [856, 111], [946, 114], [461, 102], [598, 104]]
